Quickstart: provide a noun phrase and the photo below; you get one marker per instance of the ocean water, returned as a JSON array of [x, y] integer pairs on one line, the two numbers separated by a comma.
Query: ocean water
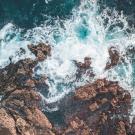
[[74, 30], [30, 13]]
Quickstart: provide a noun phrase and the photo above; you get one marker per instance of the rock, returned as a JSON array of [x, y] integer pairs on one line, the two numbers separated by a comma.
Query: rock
[[121, 128], [100, 83], [28, 119], [19, 75], [16, 75], [39, 119], [133, 126], [23, 127], [30, 83], [41, 51], [113, 59], [127, 97], [99, 86], [28, 97], [76, 123], [21, 103], [103, 118], [7, 123], [85, 93], [84, 68], [93, 107], [114, 102], [104, 100], [86, 64], [98, 108], [77, 127], [99, 105]]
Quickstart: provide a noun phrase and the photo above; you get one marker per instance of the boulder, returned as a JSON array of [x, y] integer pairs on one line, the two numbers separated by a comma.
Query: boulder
[[85, 93], [41, 51], [114, 58]]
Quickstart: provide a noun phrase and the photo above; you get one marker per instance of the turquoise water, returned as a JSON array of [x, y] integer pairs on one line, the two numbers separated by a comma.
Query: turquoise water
[[30, 13], [82, 32]]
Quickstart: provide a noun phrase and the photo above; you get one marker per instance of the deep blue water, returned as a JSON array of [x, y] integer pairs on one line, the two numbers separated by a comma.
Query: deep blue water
[[29, 13]]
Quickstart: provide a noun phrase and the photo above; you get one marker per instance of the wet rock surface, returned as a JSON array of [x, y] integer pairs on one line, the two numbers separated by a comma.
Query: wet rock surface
[[20, 112], [98, 108], [114, 58], [127, 6], [84, 68], [41, 51]]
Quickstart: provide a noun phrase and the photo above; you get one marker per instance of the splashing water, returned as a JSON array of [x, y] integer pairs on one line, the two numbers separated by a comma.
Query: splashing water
[[87, 33]]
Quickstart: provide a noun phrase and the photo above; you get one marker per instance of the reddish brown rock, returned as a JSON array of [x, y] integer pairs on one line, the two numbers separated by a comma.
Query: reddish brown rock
[[98, 108], [104, 100], [100, 86], [30, 83], [103, 118], [100, 83], [114, 58], [114, 102], [7, 123], [85, 93], [121, 130], [86, 64], [16, 75], [77, 127], [21, 103], [41, 51], [93, 107]]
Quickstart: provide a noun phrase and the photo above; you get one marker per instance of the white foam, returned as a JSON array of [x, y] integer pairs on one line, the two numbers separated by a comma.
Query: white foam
[[10, 44], [95, 46]]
